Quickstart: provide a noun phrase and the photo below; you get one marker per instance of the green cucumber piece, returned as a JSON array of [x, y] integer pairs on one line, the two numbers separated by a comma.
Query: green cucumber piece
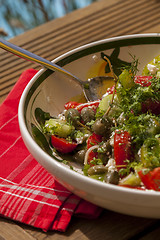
[[126, 79], [58, 127]]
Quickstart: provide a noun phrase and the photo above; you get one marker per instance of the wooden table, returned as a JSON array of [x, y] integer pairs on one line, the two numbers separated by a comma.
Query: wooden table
[[102, 19]]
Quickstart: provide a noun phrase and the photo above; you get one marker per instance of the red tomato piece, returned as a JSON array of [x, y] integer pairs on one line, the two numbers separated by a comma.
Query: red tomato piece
[[152, 106], [122, 147], [94, 139], [144, 81], [80, 106], [149, 104], [133, 187], [151, 179], [93, 105], [71, 104], [110, 90], [62, 145]]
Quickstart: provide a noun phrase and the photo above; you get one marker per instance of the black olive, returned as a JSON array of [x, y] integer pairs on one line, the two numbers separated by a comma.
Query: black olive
[[72, 116], [97, 169], [79, 156], [112, 177], [105, 152], [87, 114], [102, 126]]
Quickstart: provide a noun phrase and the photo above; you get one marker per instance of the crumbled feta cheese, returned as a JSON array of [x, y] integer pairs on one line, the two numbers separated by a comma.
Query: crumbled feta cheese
[[111, 141], [111, 165], [152, 68], [95, 58]]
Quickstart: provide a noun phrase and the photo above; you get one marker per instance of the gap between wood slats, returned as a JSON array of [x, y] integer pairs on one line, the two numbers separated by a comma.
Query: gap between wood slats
[[15, 75]]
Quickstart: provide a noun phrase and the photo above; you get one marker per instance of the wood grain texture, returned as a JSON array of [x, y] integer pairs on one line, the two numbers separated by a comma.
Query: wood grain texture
[[102, 19], [11, 231]]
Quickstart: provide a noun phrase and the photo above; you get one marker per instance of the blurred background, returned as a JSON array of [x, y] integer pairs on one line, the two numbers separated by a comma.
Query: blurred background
[[17, 16]]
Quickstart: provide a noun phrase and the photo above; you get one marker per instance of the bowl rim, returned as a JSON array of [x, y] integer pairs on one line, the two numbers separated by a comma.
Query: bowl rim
[[82, 179], [106, 40]]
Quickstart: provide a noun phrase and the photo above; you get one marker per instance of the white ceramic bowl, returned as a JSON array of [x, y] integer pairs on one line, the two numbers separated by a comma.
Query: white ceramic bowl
[[50, 91]]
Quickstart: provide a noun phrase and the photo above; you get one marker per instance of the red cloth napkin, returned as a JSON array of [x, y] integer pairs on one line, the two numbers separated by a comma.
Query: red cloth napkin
[[28, 193]]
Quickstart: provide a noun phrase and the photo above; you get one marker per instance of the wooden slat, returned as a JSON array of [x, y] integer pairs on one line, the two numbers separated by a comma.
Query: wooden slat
[[11, 231]]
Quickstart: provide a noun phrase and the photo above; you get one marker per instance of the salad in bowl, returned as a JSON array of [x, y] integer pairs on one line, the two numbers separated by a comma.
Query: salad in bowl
[[116, 139]]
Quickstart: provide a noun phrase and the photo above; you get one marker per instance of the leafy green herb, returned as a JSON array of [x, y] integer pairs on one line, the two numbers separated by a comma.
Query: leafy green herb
[[41, 139], [65, 162], [85, 169], [133, 67], [41, 116], [96, 161]]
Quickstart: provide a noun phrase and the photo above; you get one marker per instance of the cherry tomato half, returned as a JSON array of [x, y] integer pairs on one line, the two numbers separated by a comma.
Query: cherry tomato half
[[62, 145]]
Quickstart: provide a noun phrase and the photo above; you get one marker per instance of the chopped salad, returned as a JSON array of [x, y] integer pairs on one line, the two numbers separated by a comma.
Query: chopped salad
[[116, 139]]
